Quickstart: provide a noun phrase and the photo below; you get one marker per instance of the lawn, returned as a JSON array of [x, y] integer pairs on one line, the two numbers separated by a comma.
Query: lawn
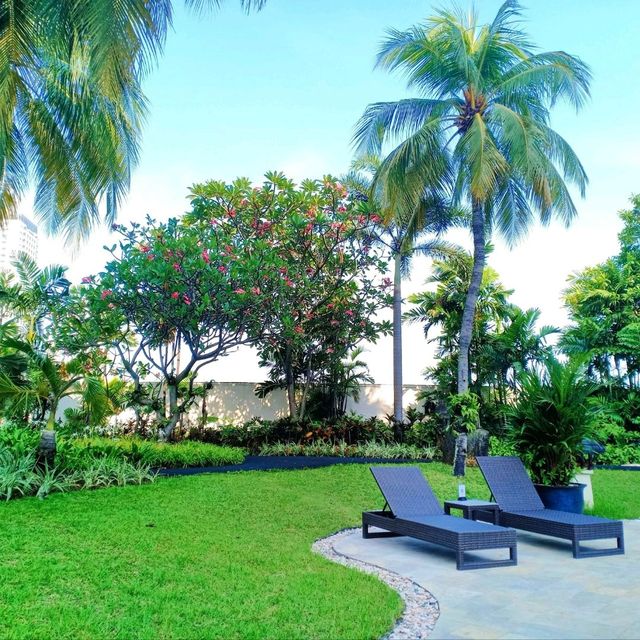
[[221, 555]]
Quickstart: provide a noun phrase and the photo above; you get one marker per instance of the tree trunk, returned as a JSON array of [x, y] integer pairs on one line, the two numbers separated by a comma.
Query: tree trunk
[[290, 382], [468, 316], [164, 432], [398, 412], [305, 391], [461, 455], [51, 420]]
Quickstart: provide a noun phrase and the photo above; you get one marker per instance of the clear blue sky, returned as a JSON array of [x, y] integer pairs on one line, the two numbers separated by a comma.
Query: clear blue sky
[[282, 89]]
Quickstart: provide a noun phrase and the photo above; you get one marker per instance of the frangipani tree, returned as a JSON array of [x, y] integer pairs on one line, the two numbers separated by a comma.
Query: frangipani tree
[[270, 262]]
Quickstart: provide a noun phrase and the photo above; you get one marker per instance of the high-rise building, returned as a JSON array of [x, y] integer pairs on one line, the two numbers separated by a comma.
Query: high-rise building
[[17, 235]]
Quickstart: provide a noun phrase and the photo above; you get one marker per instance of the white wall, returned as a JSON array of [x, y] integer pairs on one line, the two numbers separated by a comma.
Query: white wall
[[235, 402]]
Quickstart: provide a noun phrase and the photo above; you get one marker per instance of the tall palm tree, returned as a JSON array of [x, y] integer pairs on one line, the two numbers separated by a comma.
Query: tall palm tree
[[71, 105], [407, 228], [483, 113]]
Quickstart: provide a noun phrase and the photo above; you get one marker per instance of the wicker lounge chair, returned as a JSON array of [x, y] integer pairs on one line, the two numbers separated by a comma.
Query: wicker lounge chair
[[521, 508], [416, 512]]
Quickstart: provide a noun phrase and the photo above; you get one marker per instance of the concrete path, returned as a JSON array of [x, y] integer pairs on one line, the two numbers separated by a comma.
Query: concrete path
[[548, 595]]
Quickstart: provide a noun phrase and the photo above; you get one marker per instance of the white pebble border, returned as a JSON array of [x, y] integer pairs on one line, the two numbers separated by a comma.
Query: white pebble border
[[421, 609]]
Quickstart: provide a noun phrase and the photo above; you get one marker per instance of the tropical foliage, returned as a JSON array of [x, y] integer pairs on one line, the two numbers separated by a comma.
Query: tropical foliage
[[604, 306], [289, 269], [505, 340], [550, 419], [72, 103]]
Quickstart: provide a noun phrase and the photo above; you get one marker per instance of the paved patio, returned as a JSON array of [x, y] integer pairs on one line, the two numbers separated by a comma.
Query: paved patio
[[548, 595]]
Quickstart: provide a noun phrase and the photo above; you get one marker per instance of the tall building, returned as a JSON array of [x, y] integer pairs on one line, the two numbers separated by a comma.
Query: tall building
[[17, 235]]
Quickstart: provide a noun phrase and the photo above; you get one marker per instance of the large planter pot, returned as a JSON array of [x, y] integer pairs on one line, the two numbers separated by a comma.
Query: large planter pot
[[569, 498]]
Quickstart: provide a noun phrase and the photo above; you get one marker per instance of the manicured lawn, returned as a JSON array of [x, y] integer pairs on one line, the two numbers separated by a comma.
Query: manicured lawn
[[616, 493], [223, 555]]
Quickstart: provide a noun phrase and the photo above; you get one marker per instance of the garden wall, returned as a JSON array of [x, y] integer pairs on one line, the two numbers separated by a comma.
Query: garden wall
[[235, 402]]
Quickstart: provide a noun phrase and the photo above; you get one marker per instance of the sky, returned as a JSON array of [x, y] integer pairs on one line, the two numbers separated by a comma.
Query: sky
[[237, 95]]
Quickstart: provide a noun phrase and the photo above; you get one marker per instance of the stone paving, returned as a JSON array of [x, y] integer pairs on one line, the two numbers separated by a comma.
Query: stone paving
[[548, 595]]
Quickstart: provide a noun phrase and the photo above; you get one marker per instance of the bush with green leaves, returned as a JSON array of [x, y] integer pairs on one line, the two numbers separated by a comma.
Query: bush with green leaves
[[423, 433], [252, 435], [550, 419], [161, 454], [20, 439], [620, 454], [20, 475], [17, 474], [343, 449], [501, 447], [464, 409]]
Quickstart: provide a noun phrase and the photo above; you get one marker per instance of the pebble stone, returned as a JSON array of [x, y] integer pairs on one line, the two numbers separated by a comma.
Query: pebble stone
[[421, 609]]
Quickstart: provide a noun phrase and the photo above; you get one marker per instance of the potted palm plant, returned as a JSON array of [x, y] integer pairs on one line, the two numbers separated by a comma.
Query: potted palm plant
[[549, 422]]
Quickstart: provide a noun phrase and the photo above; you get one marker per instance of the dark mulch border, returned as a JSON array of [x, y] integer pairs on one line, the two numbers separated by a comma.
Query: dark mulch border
[[272, 463], [619, 467]]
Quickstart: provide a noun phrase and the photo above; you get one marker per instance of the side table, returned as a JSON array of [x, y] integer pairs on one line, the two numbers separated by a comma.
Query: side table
[[471, 508]]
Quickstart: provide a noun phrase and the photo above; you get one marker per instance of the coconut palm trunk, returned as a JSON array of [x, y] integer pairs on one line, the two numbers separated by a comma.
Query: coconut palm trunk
[[466, 328], [398, 411]]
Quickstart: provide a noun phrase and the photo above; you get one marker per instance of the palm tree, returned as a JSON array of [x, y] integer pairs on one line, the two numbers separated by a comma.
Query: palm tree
[[443, 308], [28, 300], [33, 381], [71, 105], [404, 225], [483, 114], [344, 380]]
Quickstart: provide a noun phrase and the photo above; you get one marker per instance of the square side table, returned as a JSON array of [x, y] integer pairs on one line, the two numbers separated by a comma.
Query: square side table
[[471, 508]]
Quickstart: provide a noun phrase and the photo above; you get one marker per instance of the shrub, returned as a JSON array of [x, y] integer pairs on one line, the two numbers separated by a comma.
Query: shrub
[[161, 454], [250, 435], [351, 429], [20, 439], [423, 433], [620, 454], [17, 475], [501, 447], [550, 420], [464, 409], [54, 479], [343, 449]]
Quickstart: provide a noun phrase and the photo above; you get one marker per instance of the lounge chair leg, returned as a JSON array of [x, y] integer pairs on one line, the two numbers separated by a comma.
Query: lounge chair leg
[[576, 548], [621, 542], [459, 560], [365, 530], [513, 554]]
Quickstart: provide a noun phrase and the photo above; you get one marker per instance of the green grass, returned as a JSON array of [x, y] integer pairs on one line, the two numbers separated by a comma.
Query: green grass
[[212, 556], [616, 493]]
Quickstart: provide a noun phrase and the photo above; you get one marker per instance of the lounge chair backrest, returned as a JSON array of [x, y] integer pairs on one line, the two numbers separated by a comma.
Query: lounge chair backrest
[[509, 482], [406, 491]]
